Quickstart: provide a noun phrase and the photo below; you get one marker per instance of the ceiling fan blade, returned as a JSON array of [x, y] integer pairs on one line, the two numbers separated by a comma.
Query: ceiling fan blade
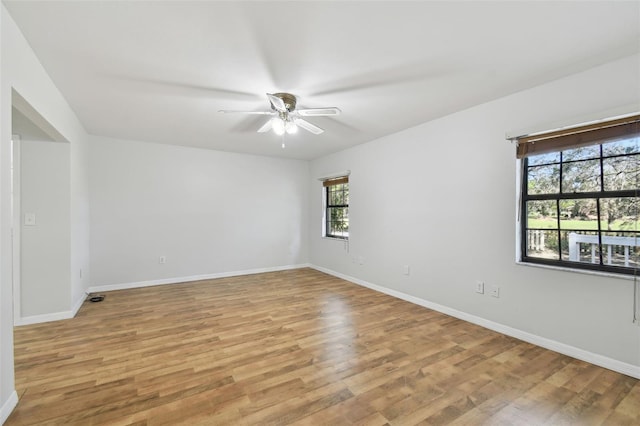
[[228, 111], [266, 126], [318, 112], [277, 103], [308, 126]]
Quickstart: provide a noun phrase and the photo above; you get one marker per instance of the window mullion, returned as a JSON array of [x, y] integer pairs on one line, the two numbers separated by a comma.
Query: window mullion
[[559, 231], [523, 208], [601, 170], [599, 230], [579, 195], [600, 247]]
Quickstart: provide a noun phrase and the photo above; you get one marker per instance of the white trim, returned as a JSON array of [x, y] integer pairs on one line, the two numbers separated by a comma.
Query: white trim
[[78, 305], [8, 407], [22, 105], [56, 316], [335, 238], [572, 351], [177, 280], [624, 277], [37, 319], [16, 225]]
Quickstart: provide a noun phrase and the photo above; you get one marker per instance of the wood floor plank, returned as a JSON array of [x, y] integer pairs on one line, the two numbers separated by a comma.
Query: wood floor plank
[[296, 347]]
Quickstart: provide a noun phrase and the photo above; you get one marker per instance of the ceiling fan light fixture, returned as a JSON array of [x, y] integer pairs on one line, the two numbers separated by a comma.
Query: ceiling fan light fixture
[[286, 118], [291, 127], [278, 126]]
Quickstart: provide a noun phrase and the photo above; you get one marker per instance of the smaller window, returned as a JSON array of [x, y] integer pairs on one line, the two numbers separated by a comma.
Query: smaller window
[[336, 201]]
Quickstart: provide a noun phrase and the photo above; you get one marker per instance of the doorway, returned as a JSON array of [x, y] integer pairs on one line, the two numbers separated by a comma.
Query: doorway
[[41, 246]]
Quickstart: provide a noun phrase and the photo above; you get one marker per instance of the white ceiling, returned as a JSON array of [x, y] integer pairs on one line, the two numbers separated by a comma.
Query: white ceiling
[[160, 71]]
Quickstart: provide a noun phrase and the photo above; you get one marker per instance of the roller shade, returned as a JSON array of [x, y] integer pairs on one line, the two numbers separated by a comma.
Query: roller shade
[[591, 134], [335, 181]]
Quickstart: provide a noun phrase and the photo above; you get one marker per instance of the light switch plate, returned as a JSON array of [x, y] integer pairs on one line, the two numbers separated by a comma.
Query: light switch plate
[[495, 291]]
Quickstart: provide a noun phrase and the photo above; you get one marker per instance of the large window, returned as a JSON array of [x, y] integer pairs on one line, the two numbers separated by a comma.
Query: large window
[[580, 205], [336, 216]]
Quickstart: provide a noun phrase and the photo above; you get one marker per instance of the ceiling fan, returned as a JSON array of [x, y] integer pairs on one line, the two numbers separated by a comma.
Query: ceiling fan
[[285, 116]]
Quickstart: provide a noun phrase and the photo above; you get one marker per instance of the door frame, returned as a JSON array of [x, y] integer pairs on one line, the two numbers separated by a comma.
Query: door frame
[[16, 227]]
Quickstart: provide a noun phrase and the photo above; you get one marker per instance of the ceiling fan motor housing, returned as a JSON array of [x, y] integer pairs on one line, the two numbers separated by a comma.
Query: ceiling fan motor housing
[[288, 99]]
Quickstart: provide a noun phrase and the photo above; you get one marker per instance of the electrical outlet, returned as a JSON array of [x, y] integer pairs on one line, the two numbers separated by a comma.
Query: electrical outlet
[[495, 291], [29, 219], [479, 287], [162, 260]]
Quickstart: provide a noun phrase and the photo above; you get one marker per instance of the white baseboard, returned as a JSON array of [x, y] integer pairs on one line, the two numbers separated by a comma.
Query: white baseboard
[[36, 319], [76, 307], [176, 280], [56, 316], [8, 407], [581, 354]]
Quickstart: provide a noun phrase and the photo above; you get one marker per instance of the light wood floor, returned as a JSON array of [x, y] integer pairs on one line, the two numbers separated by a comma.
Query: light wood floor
[[297, 347]]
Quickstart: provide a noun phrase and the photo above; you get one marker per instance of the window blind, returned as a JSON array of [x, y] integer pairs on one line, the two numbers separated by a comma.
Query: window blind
[[590, 134], [335, 181]]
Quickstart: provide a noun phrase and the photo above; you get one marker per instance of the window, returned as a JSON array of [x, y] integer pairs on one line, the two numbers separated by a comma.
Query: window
[[336, 215], [579, 204]]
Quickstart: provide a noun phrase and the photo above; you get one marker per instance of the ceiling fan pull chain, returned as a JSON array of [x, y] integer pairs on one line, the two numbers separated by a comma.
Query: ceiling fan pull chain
[[283, 140]]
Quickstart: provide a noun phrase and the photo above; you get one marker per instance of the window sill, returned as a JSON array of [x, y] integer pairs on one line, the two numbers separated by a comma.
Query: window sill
[[335, 238], [578, 271]]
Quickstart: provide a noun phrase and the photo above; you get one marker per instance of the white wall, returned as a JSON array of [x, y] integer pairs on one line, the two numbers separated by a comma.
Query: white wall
[[46, 246], [21, 71], [441, 198], [208, 212]]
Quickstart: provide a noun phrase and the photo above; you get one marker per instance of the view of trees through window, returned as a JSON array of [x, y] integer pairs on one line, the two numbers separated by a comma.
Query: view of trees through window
[[337, 214], [581, 206]]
